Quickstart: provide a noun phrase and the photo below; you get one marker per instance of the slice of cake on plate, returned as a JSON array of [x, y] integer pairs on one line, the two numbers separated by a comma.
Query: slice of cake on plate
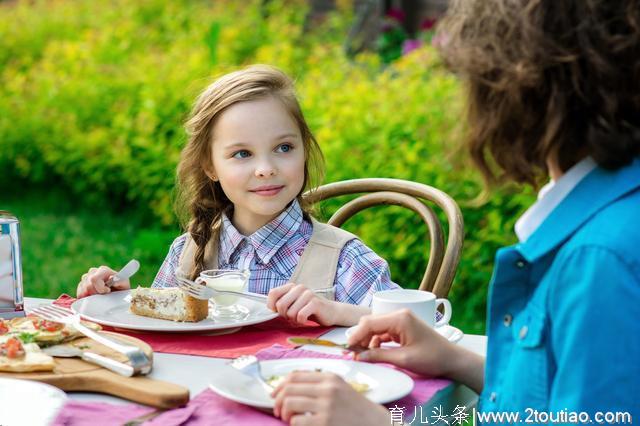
[[168, 303]]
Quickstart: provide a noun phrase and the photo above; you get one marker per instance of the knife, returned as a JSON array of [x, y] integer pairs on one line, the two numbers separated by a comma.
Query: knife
[[298, 341], [66, 351], [124, 273]]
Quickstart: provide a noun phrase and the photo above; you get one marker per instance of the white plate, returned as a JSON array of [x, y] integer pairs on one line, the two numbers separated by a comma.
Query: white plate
[[385, 384], [449, 332], [111, 309], [20, 397]]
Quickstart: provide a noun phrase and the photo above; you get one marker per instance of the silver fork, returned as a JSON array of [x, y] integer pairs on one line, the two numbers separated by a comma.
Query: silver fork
[[140, 364], [203, 292], [250, 365]]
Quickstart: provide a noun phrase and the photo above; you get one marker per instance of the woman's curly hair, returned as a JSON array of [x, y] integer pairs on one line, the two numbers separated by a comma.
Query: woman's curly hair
[[557, 78]]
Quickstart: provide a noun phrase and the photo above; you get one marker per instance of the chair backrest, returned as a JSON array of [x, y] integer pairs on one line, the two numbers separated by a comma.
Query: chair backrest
[[443, 257]]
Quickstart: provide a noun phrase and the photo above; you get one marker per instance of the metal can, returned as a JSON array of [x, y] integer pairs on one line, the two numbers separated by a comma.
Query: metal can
[[11, 292]]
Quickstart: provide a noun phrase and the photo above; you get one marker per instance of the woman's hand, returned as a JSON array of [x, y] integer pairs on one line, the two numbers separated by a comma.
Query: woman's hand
[[93, 282], [299, 303], [422, 349], [318, 398]]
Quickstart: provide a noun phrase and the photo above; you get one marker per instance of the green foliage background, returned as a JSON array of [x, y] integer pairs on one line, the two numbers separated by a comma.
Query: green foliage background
[[94, 95]]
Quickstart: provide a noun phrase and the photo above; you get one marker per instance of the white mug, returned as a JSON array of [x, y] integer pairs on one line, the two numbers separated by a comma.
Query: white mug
[[422, 303]]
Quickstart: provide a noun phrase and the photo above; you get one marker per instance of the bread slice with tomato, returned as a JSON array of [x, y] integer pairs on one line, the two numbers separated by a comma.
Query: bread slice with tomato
[[19, 357], [33, 329]]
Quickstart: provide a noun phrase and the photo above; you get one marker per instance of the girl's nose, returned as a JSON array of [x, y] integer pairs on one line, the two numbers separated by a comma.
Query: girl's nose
[[265, 169]]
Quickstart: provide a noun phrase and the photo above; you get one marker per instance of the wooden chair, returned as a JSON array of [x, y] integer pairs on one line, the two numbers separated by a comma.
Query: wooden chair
[[443, 257]]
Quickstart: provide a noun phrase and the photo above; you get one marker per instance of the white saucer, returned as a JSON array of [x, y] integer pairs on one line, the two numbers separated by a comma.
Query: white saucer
[[451, 333]]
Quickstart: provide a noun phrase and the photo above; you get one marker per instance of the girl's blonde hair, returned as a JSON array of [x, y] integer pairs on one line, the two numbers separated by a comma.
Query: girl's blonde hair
[[202, 200]]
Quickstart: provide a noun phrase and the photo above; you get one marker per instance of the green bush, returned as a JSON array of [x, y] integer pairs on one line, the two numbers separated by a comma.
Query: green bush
[[94, 95]]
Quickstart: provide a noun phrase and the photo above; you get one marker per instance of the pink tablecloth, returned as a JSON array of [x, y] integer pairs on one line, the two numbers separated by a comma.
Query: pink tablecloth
[[209, 408], [247, 341]]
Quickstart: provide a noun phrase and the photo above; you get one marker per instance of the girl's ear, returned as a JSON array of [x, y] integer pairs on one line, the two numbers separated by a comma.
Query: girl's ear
[[211, 174]]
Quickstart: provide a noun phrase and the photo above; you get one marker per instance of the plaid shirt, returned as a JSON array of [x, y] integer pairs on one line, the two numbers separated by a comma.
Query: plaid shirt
[[273, 252]]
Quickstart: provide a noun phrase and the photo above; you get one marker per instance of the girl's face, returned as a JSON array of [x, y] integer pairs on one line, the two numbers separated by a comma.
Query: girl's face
[[258, 158]]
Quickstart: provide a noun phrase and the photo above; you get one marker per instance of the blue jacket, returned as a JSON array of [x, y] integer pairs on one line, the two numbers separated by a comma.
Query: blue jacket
[[564, 306]]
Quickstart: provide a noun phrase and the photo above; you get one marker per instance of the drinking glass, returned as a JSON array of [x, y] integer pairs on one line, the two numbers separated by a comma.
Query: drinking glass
[[226, 306]]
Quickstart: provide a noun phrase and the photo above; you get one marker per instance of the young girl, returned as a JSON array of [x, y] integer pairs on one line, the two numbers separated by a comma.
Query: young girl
[[553, 91], [249, 158]]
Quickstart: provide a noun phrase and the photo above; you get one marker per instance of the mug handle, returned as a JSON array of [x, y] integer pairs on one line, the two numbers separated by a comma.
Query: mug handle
[[447, 312], [200, 280]]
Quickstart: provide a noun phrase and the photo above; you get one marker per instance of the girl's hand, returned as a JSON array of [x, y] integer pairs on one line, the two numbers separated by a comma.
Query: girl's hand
[[422, 349], [318, 398], [93, 282], [298, 303]]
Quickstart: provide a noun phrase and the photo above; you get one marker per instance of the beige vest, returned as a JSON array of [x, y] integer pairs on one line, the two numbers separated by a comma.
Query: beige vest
[[316, 268]]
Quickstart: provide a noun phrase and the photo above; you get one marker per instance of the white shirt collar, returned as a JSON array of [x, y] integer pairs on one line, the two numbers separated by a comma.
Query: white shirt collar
[[550, 196]]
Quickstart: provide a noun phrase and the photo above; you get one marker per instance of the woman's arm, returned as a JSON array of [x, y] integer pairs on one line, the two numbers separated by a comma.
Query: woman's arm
[[422, 349]]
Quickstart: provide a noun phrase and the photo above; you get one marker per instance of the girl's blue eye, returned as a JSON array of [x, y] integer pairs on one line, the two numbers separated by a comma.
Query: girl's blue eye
[[285, 147], [241, 154]]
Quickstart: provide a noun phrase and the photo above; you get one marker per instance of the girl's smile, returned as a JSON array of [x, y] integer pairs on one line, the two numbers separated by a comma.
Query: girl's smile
[[267, 190]]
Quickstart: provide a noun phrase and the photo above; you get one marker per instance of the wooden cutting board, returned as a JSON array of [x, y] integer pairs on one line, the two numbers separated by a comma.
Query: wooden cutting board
[[74, 374]]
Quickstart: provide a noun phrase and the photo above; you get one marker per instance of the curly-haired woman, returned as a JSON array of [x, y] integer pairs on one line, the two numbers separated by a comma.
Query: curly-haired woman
[[553, 92]]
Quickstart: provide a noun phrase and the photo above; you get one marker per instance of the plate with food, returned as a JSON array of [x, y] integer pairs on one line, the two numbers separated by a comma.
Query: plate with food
[[378, 383], [165, 310]]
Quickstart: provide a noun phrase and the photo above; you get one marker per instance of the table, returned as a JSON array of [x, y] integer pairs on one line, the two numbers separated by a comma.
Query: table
[[193, 370]]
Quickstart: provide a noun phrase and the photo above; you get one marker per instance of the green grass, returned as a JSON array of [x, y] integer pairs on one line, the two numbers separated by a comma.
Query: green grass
[[62, 239]]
